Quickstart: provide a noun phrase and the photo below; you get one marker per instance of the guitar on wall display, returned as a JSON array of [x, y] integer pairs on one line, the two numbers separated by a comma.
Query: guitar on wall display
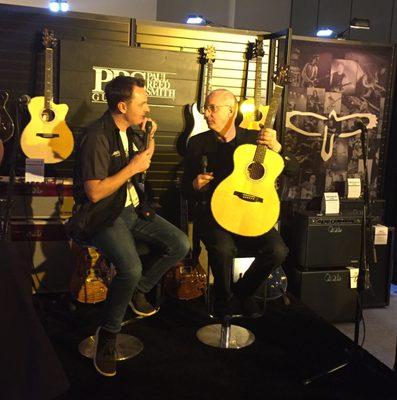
[[249, 55], [249, 191], [6, 123], [207, 59], [47, 136], [254, 113]]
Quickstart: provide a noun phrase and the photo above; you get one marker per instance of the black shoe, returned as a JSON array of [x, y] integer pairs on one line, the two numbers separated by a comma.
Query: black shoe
[[141, 306], [251, 308], [105, 352]]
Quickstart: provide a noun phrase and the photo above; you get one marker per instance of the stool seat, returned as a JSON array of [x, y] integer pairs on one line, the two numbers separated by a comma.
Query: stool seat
[[127, 346]]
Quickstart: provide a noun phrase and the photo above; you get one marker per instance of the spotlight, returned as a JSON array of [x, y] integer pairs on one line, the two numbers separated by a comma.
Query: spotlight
[[195, 19], [54, 6], [325, 32], [59, 5], [64, 5]]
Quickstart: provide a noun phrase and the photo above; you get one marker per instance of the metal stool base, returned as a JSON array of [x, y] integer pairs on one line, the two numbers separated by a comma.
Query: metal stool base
[[225, 336], [127, 346]]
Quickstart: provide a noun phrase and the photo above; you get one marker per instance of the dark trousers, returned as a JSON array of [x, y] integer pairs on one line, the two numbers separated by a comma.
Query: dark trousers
[[222, 246], [118, 243]]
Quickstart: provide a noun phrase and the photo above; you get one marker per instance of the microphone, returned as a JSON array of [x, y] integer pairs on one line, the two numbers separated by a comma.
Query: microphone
[[146, 141], [24, 100], [204, 163], [146, 135]]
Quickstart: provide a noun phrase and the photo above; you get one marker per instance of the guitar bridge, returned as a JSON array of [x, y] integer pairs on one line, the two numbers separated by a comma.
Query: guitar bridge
[[248, 197], [48, 135]]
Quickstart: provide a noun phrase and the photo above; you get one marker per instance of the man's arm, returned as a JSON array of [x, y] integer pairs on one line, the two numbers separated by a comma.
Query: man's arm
[[98, 189]]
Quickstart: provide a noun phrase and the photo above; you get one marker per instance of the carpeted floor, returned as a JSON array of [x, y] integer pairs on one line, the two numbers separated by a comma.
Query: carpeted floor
[[380, 330], [292, 344]]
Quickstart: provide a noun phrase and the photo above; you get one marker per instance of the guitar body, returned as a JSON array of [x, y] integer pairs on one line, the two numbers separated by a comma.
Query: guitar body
[[50, 139], [6, 123], [249, 115], [244, 204], [199, 122]]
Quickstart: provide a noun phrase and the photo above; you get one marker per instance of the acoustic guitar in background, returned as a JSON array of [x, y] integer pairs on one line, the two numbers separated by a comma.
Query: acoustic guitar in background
[[249, 55], [6, 123], [207, 57], [246, 202], [254, 113], [47, 136]]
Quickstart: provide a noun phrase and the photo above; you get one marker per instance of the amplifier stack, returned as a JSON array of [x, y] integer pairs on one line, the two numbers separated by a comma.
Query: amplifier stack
[[323, 251]]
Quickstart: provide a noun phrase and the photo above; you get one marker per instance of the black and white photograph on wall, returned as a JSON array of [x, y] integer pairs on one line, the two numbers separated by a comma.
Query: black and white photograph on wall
[[339, 87]]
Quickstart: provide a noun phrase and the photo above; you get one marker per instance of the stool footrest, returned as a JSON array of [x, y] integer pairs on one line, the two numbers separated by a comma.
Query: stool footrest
[[225, 336]]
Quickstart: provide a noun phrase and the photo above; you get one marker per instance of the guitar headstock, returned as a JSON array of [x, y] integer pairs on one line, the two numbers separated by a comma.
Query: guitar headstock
[[249, 53], [207, 54], [282, 77], [258, 49], [49, 40]]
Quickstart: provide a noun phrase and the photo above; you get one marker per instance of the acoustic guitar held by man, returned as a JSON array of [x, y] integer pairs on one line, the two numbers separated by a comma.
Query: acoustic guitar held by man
[[216, 147]]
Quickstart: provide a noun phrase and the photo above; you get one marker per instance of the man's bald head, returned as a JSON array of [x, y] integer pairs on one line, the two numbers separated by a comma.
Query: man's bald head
[[222, 96]]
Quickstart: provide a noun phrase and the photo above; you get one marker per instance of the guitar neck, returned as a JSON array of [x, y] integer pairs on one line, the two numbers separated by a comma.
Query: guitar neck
[[208, 86], [258, 85], [269, 122], [48, 79]]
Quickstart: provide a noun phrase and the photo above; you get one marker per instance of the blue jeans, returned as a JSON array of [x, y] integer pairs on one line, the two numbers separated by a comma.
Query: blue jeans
[[118, 244]]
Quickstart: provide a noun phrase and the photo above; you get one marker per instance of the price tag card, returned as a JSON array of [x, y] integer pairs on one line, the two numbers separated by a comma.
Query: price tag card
[[381, 233], [353, 188], [330, 203]]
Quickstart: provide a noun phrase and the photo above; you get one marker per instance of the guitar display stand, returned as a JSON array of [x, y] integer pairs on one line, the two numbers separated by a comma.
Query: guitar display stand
[[224, 335]]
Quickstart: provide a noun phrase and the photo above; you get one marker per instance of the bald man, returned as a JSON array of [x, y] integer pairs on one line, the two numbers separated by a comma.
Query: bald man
[[218, 145]]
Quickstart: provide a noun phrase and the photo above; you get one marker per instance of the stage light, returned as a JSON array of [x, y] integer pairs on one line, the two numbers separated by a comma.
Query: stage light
[[59, 5], [54, 6], [325, 32], [64, 6], [195, 19], [359, 23]]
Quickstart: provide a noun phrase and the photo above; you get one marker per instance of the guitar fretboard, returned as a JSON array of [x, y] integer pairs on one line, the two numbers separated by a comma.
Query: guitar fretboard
[[48, 89]]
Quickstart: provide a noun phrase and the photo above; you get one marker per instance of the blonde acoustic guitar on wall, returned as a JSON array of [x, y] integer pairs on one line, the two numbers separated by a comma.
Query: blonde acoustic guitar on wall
[[47, 135]]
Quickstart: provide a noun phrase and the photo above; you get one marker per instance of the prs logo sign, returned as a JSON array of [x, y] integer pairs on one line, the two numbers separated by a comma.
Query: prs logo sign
[[157, 84]]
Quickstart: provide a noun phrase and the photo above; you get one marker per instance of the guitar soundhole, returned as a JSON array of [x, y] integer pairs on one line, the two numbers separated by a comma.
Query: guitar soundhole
[[47, 115], [258, 115], [256, 170]]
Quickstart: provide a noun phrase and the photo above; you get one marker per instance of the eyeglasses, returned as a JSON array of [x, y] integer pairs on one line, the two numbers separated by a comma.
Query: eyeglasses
[[212, 108]]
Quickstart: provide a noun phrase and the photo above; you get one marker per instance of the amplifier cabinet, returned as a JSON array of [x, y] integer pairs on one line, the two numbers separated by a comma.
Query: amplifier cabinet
[[43, 245], [326, 292], [50, 199], [324, 241]]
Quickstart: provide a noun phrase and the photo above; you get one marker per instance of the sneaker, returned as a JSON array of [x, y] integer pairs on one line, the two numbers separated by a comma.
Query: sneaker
[[141, 306], [105, 352]]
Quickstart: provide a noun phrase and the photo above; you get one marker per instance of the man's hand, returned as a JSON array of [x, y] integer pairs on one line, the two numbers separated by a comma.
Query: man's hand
[[140, 162], [202, 180], [268, 137]]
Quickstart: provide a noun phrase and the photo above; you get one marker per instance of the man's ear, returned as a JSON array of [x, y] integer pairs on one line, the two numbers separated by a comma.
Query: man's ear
[[122, 107]]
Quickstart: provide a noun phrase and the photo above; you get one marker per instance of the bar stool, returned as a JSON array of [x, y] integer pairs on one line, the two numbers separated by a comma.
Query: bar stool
[[224, 334], [127, 346]]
